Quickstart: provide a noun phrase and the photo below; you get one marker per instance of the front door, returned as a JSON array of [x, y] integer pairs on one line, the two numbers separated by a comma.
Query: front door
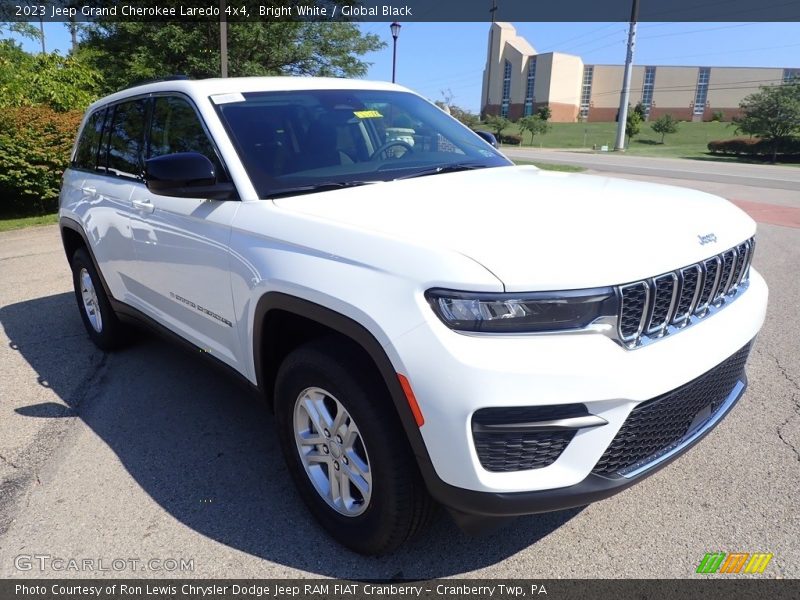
[[181, 244]]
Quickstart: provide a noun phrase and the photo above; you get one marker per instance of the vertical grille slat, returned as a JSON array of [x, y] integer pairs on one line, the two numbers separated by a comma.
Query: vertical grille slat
[[634, 303], [663, 289], [691, 278], [728, 262], [710, 281], [661, 305], [742, 257]]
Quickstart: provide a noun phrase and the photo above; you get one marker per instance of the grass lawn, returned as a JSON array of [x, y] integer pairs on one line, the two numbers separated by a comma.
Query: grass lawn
[[549, 167], [689, 142], [8, 223]]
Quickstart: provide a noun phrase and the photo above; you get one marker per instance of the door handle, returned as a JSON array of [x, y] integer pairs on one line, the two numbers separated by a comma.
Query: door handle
[[89, 190], [143, 206]]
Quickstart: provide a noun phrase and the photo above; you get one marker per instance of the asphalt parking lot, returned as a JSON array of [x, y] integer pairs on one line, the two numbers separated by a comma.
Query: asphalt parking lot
[[148, 454]]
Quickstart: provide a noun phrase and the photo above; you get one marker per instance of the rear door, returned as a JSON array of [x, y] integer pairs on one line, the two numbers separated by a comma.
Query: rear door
[[182, 266], [109, 155]]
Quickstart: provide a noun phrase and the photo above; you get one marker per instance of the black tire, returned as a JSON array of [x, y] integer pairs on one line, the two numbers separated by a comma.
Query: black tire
[[111, 334], [399, 505]]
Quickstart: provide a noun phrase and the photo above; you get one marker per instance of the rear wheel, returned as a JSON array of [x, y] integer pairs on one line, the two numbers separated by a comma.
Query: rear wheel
[[99, 319], [346, 450]]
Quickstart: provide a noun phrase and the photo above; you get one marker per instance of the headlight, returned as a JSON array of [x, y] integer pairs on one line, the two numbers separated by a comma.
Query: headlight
[[522, 312]]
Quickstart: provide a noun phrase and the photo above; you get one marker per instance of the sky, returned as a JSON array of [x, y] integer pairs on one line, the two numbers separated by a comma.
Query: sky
[[434, 57]]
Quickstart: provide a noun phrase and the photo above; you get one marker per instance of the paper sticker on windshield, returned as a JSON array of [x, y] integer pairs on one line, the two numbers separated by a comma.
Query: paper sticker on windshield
[[367, 114], [227, 98]]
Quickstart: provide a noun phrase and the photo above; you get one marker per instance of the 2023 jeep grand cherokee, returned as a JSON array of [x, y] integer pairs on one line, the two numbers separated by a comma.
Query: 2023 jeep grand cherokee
[[431, 323]]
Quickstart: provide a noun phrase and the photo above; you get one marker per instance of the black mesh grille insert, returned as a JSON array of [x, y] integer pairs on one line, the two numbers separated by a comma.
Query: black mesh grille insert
[[634, 302], [712, 266], [503, 445], [691, 276], [662, 301], [663, 421]]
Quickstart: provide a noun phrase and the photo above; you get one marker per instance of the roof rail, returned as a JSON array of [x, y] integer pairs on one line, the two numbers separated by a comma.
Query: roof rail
[[177, 77]]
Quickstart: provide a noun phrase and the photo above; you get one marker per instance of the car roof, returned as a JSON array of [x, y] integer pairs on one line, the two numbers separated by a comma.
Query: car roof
[[208, 87]]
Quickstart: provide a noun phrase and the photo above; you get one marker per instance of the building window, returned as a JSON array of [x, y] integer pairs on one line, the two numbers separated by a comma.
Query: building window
[[647, 90], [529, 97], [506, 90], [791, 76], [701, 93], [586, 90]]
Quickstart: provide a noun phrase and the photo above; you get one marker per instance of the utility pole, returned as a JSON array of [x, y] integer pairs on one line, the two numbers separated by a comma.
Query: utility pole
[[492, 10], [41, 34], [624, 97], [223, 40]]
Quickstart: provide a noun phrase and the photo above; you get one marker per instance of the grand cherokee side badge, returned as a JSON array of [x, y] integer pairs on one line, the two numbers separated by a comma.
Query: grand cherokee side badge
[[707, 238]]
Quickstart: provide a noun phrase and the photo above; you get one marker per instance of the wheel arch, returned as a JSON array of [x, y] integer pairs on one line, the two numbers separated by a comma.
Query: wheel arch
[[74, 237], [272, 313]]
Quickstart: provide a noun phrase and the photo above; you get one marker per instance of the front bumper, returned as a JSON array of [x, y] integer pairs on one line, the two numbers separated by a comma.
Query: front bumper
[[457, 375], [591, 489]]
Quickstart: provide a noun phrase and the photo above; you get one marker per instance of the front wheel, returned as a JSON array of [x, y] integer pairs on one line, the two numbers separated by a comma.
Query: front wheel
[[346, 450]]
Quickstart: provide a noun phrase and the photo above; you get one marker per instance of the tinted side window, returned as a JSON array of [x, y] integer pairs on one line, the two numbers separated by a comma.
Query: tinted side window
[[176, 128], [126, 141], [89, 142]]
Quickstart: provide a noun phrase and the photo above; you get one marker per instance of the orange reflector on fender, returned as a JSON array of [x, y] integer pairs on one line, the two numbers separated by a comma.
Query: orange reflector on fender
[[412, 401]]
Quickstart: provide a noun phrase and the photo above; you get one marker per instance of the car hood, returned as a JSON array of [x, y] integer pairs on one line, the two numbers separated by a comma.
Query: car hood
[[542, 230]]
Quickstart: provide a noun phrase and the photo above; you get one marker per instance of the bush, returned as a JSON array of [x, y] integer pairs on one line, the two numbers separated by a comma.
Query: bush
[[788, 149], [512, 139], [718, 116], [733, 146], [35, 145]]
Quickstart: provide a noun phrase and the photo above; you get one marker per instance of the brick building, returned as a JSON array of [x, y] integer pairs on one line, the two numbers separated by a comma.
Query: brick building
[[517, 81]]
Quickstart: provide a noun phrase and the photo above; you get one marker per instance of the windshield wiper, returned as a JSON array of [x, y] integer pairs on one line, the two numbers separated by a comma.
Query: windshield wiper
[[452, 168], [317, 187]]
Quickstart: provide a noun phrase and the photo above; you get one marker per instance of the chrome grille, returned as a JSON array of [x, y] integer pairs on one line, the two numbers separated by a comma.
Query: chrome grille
[[711, 269], [743, 252], [728, 262], [652, 308], [665, 290], [690, 280], [635, 299]]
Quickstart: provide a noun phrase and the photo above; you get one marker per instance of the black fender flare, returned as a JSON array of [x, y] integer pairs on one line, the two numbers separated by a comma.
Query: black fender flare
[[360, 335], [73, 225]]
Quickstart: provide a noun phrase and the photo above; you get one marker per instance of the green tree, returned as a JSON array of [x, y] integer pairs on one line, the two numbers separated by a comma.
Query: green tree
[[773, 114], [61, 82], [665, 125], [533, 124], [468, 118], [544, 113], [633, 124], [129, 52], [497, 124]]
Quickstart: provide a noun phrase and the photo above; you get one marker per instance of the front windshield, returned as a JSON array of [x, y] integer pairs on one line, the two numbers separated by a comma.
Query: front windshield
[[317, 139]]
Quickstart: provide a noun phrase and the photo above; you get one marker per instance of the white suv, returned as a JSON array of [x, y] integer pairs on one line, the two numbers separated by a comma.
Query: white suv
[[432, 324]]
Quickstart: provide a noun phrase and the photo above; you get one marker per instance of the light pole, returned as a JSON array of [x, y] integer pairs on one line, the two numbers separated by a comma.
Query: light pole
[[223, 40], [395, 27]]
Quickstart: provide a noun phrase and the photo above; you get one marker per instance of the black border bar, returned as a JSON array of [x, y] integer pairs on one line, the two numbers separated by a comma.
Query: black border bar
[[400, 10]]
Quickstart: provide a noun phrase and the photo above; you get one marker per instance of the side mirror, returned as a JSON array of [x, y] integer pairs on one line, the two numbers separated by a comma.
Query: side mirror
[[488, 137], [185, 175]]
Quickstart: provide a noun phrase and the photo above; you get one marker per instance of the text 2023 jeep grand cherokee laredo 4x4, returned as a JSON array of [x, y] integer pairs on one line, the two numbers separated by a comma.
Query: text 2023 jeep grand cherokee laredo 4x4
[[431, 323]]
